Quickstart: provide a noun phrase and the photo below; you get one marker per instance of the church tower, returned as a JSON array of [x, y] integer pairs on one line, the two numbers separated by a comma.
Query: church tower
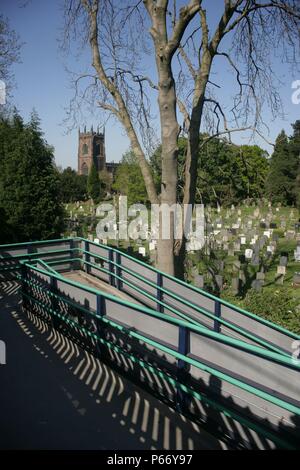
[[91, 148]]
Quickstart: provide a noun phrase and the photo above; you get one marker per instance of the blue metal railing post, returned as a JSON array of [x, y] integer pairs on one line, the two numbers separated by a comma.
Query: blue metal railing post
[[100, 309], [182, 367], [23, 272], [71, 252], [54, 302], [159, 294], [111, 267], [119, 271], [217, 324], [87, 256]]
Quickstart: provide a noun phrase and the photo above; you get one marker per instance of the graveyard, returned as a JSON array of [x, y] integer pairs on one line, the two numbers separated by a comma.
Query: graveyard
[[251, 254]]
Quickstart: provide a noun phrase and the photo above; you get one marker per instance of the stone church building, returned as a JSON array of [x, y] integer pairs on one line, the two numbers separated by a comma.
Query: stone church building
[[91, 148]]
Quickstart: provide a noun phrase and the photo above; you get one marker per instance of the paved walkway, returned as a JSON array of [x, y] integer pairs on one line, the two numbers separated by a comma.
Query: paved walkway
[[52, 396]]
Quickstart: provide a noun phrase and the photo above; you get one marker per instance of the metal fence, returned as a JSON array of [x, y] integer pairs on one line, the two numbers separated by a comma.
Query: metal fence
[[206, 356]]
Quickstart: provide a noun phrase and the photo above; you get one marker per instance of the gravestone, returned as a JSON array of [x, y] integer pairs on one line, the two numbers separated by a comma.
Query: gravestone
[[290, 234], [260, 277], [220, 265], [283, 261], [257, 285], [297, 253], [199, 281], [296, 280], [236, 265], [279, 279], [142, 251], [255, 260], [242, 276], [236, 246], [219, 281], [248, 253], [235, 285], [281, 270]]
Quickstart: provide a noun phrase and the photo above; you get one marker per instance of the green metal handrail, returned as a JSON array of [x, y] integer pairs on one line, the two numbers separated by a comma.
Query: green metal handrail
[[200, 291], [235, 343], [201, 310], [172, 352]]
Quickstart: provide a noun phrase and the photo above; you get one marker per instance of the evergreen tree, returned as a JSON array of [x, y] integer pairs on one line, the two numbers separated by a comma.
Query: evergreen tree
[[73, 187], [129, 180], [29, 181], [281, 181], [295, 151], [93, 184]]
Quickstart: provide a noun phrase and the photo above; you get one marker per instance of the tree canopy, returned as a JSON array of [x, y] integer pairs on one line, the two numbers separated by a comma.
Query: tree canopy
[[29, 182]]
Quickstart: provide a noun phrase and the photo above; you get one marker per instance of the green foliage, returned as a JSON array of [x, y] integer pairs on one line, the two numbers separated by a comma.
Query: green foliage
[[93, 184], [284, 166], [129, 180], [226, 173], [230, 173], [29, 182], [277, 306], [73, 187]]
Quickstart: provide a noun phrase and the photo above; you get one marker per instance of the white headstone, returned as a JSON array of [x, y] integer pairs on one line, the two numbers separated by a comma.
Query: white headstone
[[281, 269], [142, 251], [248, 253]]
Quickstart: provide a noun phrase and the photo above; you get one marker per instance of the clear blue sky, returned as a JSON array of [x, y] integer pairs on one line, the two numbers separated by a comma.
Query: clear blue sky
[[43, 83]]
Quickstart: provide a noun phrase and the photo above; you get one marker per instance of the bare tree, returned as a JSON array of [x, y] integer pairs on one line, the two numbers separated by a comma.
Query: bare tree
[[9, 52], [184, 45]]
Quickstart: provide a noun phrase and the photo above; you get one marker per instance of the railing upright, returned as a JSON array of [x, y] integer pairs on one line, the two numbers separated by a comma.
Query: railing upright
[[159, 294], [87, 256], [54, 302], [217, 324], [119, 271], [101, 311], [182, 367], [111, 267]]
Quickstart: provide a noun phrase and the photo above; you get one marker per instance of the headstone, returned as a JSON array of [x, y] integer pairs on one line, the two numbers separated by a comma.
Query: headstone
[[219, 281], [248, 253], [199, 281], [142, 250], [279, 279], [297, 253], [235, 285], [257, 285], [96, 240], [243, 240], [236, 265], [220, 265], [290, 234], [281, 270], [296, 280], [255, 259], [236, 246], [260, 276], [283, 261], [242, 276]]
